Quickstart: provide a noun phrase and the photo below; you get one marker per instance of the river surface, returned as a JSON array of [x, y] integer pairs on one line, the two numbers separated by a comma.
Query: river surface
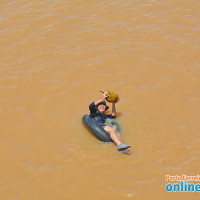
[[55, 58]]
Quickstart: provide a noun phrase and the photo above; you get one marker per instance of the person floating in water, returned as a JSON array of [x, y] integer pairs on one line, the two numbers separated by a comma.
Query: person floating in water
[[97, 109]]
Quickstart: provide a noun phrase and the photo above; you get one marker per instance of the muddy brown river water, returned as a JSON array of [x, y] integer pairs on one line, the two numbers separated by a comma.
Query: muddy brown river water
[[56, 56]]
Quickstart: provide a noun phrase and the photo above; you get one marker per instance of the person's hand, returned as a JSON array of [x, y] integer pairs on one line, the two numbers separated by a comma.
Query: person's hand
[[117, 100], [105, 95]]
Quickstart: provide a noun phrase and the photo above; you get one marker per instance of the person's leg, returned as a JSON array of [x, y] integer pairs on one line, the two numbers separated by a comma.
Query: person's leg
[[113, 135], [118, 136]]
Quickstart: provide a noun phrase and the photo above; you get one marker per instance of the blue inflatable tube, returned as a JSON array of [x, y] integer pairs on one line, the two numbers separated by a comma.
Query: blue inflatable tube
[[97, 130]]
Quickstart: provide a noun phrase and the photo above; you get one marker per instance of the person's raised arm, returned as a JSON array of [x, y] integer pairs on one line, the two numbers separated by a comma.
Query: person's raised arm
[[113, 108], [105, 95]]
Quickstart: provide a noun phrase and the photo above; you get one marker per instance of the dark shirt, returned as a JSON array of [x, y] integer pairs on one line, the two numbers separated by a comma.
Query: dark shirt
[[98, 116]]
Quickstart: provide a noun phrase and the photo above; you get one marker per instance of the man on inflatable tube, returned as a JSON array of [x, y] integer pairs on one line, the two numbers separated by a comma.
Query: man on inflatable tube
[[97, 109]]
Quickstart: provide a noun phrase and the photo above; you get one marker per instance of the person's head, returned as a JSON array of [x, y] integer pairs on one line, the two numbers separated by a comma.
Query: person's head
[[102, 107]]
